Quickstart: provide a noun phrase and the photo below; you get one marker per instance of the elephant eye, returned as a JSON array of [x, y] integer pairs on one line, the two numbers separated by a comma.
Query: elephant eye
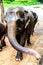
[[20, 13]]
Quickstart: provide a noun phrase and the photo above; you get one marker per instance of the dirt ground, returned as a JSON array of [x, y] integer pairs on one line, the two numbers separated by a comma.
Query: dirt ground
[[7, 56]]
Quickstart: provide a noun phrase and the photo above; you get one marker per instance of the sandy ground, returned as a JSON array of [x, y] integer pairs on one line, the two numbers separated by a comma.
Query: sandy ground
[[7, 56]]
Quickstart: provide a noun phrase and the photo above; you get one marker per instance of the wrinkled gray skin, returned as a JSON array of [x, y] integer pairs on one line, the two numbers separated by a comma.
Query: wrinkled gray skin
[[11, 18]]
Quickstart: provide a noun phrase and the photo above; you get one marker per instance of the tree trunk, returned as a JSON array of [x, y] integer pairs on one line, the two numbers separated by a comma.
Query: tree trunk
[[2, 10]]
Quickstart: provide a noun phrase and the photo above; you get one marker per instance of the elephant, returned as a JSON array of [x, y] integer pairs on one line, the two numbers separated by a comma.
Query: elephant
[[17, 19]]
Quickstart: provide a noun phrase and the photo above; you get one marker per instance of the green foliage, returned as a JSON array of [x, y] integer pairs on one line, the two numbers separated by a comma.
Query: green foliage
[[9, 3]]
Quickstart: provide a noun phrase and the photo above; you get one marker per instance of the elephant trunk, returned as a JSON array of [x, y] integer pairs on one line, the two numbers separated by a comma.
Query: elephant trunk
[[14, 43]]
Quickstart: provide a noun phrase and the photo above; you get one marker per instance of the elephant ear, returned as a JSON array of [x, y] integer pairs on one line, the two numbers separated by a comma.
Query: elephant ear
[[35, 17]]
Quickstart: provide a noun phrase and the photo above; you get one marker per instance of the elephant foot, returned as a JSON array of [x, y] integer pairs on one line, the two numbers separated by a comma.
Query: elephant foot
[[28, 43], [3, 43], [19, 57]]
